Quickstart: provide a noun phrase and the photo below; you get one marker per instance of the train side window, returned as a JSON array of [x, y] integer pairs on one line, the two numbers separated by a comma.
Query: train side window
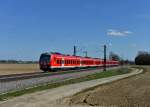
[[65, 61], [57, 61], [62, 61]]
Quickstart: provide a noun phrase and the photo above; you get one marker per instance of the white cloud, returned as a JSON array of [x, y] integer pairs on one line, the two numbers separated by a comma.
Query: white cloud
[[113, 32], [110, 44], [133, 45]]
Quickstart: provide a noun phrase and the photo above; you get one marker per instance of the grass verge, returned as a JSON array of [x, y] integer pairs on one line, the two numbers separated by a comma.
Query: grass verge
[[71, 81]]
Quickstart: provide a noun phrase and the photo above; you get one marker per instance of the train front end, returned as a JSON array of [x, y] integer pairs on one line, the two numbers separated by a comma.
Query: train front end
[[45, 62]]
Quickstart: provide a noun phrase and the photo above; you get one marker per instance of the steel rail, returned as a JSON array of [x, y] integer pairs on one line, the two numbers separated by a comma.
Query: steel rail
[[14, 77]]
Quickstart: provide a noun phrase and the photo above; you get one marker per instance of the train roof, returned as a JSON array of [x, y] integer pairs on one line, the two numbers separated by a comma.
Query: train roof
[[57, 53]]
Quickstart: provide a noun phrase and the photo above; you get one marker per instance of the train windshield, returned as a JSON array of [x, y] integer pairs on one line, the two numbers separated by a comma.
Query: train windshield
[[45, 58]]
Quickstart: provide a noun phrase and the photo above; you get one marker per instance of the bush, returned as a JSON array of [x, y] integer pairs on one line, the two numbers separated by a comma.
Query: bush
[[142, 59]]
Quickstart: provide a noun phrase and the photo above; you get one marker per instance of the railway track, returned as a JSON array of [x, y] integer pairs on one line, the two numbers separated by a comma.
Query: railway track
[[14, 77], [16, 82]]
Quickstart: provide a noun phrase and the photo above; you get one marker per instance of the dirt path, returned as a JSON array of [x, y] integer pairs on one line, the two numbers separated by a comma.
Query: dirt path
[[130, 92], [52, 98]]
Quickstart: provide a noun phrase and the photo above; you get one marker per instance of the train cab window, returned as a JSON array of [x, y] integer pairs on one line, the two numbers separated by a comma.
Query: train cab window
[[45, 58]]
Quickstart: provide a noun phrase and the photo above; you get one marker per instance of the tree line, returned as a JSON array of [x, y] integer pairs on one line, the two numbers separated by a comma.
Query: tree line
[[143, 58], [17, 62]]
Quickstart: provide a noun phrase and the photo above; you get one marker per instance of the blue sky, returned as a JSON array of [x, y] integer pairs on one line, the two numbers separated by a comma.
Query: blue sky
[[30, 27]]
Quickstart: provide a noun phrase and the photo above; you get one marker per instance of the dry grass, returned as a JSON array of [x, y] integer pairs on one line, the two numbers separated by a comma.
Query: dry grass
[[18, 68], [130, 92]]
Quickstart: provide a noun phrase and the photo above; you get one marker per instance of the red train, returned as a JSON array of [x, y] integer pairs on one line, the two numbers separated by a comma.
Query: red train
[[55, 61]]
